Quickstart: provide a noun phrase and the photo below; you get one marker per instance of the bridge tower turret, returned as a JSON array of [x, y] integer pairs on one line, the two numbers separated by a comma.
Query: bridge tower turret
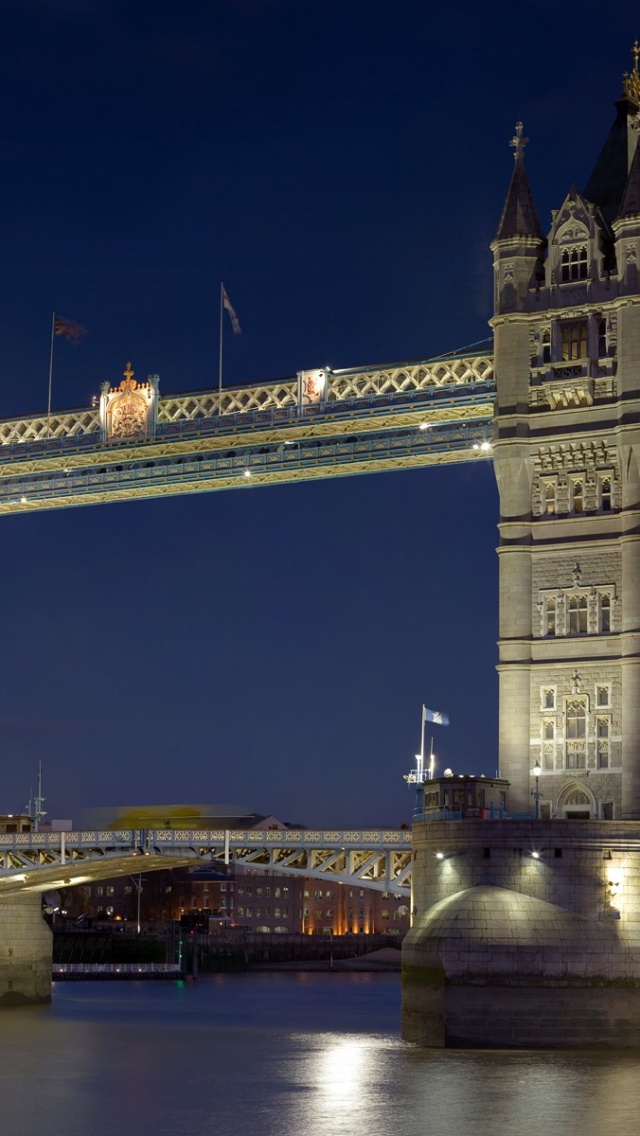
[[567, 460]]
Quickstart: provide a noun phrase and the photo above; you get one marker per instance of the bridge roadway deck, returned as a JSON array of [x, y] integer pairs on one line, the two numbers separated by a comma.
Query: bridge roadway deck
[[46, 861], [401, 416]]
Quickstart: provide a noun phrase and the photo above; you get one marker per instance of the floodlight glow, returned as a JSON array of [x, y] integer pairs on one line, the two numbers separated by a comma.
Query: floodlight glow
[[439, 855]]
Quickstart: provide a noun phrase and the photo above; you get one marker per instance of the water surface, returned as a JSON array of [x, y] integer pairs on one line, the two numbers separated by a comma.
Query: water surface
[[284, 1054]]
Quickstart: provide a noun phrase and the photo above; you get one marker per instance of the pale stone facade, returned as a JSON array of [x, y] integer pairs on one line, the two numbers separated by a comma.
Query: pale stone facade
[[527, 932], [567, 454]]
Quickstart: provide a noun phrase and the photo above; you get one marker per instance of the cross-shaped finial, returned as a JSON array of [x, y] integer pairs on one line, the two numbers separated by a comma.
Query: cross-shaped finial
[[518, 142], [128, 373], [576, 575], [635, 51], [576, 679]]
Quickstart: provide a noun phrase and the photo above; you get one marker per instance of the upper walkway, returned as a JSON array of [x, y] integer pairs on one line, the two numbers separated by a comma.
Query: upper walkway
[[134, 444]]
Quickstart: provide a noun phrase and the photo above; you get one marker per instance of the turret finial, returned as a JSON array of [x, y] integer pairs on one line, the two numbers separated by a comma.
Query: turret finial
[[518, 142], [631, 80]]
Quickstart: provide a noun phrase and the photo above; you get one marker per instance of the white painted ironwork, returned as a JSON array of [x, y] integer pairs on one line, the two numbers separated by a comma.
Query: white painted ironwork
[[41, 861], [343, 385]]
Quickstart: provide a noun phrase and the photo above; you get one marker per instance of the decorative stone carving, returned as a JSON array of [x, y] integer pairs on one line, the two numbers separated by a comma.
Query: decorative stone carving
[[130, 409]]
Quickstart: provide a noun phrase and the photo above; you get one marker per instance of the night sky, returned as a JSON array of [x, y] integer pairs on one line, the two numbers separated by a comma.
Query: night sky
[[341, 165]]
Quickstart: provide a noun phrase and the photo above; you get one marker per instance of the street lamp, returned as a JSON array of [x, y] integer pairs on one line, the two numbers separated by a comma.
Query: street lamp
[[536, 794]]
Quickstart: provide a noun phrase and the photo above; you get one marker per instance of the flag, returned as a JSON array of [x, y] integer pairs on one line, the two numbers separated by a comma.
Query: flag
[[235, 322], [68, 329], [435, 716]]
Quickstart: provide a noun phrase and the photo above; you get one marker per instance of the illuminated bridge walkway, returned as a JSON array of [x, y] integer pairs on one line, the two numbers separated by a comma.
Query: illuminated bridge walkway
[[134, 444], [45, 861]]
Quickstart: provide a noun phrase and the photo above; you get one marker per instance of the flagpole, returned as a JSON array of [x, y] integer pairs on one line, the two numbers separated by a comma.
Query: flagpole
[[421, 756], [220, 352], [53, 328]]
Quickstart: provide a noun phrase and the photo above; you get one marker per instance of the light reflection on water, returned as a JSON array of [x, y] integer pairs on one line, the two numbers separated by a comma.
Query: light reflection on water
[[284, 1055]]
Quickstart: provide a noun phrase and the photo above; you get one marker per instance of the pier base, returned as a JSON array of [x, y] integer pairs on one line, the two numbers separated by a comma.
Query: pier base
[[525, 934], [25, 952]]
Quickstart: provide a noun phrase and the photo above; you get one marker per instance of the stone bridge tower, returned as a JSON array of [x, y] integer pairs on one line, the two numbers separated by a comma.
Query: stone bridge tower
[[567, 456], [526, 932]]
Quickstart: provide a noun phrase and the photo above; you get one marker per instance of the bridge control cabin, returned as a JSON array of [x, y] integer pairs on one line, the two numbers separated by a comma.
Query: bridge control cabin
[[15, 822], [463, 796]]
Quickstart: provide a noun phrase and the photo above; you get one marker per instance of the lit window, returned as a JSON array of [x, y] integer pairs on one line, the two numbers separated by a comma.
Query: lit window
[[574, 340], [549, 498]]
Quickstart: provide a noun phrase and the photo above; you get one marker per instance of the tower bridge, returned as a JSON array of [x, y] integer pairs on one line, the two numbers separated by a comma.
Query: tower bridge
[[35, 862], [136, 444], [518, 926]]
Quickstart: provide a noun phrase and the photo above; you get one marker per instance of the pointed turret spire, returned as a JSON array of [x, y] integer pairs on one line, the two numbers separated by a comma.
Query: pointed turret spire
[[630, 204], [606, 185], [519, 217]]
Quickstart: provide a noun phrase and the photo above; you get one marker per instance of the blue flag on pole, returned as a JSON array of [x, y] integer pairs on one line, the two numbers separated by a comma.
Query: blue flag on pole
[[435, 716]]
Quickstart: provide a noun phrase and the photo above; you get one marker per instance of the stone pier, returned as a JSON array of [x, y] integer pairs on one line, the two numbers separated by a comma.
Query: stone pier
[[525, 934], [25, 952]]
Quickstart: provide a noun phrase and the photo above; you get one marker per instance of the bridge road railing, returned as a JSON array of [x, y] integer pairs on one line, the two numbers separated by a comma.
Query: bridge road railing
[[375, 858]]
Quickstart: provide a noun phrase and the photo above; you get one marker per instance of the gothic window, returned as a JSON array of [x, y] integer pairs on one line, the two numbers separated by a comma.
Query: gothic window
[[548, 729], [550, 622], [577, 495], [548, 698], [576, 719], [606, 499], [573, 263], [603, 696], [548, 492], [574, 340], [546, 346], [576, 758], [577, 615], [602, 728], [605, 613], [602, 338]]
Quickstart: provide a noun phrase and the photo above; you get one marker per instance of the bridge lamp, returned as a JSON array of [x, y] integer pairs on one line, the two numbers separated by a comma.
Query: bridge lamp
[[425, 426], [439, 855], [247, 473], [535, 855], [536, 794]]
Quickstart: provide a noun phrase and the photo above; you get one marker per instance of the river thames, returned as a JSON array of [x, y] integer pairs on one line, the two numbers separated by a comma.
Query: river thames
[[284, 1054]]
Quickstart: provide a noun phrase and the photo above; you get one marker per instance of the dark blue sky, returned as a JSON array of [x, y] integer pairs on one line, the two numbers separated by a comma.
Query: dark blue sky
[[342, 166]]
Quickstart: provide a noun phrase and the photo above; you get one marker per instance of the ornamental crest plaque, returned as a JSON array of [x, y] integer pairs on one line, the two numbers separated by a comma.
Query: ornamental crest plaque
[[128, 410]]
